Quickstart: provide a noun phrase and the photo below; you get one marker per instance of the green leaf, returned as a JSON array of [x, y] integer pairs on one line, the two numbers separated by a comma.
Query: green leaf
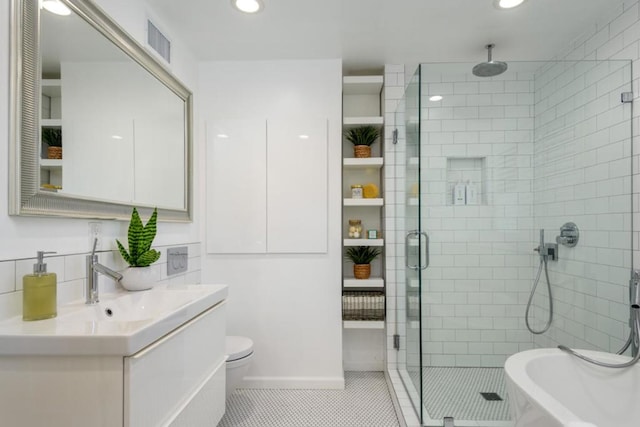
[[362, 135], [148, 258], [124, 253], [140, 238], [362, 254], [148, 233], [134, 234]]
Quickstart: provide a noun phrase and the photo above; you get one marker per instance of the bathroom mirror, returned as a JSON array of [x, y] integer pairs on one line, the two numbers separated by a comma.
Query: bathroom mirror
[[124, 121]]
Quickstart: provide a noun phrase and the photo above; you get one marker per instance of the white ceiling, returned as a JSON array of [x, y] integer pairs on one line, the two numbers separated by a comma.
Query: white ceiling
[[369, 33]]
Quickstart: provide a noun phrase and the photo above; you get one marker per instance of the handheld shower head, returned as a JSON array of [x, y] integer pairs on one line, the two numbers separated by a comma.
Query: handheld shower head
[[490, 68]]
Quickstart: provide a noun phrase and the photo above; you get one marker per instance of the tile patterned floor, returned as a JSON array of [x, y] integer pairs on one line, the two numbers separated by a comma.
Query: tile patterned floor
[[365, 402], [455, 392]]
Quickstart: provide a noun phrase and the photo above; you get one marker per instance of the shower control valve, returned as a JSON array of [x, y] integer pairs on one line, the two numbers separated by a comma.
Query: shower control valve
[[569, 235], [550, 250]]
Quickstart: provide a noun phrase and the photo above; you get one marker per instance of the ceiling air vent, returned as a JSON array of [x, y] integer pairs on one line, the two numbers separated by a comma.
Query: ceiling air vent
[[158, 41]]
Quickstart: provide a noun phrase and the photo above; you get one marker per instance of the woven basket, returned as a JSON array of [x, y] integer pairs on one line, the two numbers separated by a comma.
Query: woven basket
[[54, 152], [361, 151], [363, 306], [362, 271]]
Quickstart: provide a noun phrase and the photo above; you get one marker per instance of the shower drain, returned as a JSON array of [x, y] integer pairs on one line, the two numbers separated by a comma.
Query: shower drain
[[490, 396]]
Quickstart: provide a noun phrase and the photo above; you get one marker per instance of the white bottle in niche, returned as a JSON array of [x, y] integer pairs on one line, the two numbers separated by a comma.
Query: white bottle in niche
[[471, 193], [459, 197]]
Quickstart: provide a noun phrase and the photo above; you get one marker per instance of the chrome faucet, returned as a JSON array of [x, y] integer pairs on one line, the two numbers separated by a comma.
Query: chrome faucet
[[93, 268]]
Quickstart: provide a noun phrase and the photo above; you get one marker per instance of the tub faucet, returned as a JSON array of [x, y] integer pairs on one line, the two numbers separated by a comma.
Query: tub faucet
[[93, 268]]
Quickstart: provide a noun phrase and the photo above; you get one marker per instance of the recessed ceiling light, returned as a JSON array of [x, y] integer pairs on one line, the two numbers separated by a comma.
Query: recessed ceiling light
[[222, 135], [303, 136], [248, 6], [507, 4], [55, 6], [435, 98]]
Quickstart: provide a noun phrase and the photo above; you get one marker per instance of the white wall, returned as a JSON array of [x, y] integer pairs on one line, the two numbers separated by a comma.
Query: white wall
[[288, 304], [21, 237]]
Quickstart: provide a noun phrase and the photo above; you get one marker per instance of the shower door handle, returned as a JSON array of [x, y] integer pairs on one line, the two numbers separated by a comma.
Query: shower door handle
[[426, 250], [415, 234]]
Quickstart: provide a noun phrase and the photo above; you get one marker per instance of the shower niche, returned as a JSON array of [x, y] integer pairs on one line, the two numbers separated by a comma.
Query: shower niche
[[466, 175]]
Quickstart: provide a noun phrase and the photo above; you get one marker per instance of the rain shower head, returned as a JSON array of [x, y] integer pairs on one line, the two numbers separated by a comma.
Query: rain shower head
[[490, 68]]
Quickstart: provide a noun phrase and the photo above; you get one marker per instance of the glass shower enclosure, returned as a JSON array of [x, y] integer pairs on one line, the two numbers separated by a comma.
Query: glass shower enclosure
[[482, 166]]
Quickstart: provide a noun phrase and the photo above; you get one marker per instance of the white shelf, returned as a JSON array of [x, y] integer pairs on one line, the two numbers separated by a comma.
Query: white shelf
[[360, 163], [51, 122], [363, 121], [51, 87], [51, 163], [363, 324], [373, 282], [364, 202], [362, 85], [363, 242]]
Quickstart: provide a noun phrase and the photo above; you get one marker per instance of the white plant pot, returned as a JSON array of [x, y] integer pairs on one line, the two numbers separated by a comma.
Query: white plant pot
[[139, 278]]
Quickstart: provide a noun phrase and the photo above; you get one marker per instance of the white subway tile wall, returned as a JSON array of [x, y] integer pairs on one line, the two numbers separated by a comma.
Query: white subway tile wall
[[477, 283], [394, 159], [582, 174], [70, 270], [577, 170]]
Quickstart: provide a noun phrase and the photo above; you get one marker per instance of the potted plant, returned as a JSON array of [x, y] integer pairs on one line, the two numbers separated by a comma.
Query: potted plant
[[140, 256], [361, 256], [362, 137], [53, 138]]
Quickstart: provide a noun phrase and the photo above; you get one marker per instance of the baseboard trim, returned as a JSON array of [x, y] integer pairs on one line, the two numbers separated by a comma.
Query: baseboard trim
[[292, 383], [375, 365]]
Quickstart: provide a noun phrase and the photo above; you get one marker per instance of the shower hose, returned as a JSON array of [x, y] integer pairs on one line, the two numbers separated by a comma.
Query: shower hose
[[634, 334], [633, 337], [543, 262]]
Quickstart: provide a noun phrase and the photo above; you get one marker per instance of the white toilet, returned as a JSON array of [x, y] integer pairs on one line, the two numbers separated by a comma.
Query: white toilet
[[239, 352]]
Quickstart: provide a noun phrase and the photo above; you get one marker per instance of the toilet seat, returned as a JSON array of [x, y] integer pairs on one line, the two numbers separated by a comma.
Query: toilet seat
[[237, 347]]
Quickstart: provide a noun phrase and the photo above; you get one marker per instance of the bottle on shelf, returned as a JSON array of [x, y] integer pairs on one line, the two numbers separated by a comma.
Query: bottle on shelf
[[471, 193], [459, 197]]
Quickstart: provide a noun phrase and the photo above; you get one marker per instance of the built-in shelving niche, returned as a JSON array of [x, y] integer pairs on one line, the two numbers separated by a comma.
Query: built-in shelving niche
[[467, 170]]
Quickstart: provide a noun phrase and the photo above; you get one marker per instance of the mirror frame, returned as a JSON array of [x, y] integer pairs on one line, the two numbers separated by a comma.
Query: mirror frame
[[25, 196]]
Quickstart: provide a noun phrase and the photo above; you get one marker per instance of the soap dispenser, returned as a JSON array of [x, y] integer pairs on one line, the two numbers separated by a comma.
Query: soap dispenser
[[471, 193], [39, 292], [459, 194]]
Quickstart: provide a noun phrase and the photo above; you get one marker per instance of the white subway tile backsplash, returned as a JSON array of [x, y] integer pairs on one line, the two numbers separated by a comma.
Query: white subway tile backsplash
[[7, 277], [70, 271]]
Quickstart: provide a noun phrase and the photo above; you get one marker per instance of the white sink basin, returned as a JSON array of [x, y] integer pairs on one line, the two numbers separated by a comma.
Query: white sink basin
[[122, 323]]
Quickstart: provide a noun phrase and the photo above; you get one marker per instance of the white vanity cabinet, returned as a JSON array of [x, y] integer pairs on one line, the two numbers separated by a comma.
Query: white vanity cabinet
[[178, 380]]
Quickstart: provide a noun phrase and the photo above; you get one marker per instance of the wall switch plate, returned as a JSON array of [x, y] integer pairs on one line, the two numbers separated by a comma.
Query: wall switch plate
[[177, 260], [95, 232]]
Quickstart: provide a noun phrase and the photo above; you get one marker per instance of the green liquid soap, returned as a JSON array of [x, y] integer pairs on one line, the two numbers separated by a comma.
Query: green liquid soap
[[39, 296]]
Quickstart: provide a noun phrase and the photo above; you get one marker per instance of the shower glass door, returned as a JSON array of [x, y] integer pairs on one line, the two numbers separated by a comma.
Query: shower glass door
[[541, 145], [411, 241]]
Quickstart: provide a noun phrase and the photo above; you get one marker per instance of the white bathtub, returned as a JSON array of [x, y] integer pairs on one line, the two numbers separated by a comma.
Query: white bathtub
[[550, 388]]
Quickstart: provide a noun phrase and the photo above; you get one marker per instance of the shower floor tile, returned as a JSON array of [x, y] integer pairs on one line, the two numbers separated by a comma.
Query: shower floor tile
[[365, 402], [455, 392]]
